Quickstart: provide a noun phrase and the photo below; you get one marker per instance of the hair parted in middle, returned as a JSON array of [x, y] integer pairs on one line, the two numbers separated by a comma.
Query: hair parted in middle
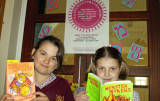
[[109, 52]]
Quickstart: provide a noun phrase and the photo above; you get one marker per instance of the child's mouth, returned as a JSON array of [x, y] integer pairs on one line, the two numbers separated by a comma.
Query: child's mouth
[[45, 66]]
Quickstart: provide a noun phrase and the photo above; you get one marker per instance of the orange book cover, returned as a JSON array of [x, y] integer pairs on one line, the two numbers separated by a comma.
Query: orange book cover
[[20, 81]]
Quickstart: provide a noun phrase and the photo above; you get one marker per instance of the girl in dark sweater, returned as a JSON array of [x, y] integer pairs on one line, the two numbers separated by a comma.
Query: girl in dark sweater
[[47, 57]]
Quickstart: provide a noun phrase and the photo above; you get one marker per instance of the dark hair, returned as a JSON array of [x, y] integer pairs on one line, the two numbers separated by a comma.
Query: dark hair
[[109, 52], [55, 41]]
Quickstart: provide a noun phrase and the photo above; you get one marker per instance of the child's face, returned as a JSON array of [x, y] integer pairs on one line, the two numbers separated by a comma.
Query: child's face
[[108, 69], [45, 60]]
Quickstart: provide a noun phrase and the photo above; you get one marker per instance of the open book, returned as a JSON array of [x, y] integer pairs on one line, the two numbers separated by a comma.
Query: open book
[[110, 91], [20, 80]]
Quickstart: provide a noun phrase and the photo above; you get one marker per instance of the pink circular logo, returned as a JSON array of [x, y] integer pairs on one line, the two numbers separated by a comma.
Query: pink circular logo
[[87, 15]]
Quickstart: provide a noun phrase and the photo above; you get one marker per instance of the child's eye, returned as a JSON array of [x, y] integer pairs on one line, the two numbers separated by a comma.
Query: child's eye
[[113, 68], [54, 58], [101, 68], [43, 54]]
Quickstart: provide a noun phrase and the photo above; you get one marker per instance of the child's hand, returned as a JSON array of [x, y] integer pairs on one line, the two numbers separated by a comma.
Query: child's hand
[[4, 97], [81, 96], [41, 97]]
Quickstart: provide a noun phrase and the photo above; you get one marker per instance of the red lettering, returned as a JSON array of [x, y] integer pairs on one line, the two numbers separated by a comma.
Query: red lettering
[[118, 91], [106, 88], [129, 89]]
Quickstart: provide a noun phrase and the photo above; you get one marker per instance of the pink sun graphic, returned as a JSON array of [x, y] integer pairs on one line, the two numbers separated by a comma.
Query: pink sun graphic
[[87, 15]]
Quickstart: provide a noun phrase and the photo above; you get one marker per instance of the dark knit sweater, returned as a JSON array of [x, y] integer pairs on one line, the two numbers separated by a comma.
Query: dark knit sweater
[[58, 90]]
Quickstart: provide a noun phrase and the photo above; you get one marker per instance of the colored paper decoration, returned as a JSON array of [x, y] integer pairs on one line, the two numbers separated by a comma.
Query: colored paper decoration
[[120, 30], [117, 46], [45, 31], [135, 52], [129, 3], [52, 4]]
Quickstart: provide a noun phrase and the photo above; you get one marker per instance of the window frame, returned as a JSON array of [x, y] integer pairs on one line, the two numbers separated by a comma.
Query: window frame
[[151, 15]]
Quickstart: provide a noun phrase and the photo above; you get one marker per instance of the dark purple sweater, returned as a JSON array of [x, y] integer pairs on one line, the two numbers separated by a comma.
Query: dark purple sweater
[[58, 90]]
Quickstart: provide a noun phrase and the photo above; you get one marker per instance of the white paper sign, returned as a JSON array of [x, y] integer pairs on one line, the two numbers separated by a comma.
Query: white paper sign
[[86, 26]]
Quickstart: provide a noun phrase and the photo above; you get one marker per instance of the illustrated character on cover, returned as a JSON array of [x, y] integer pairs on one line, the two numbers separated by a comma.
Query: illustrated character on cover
[[21, 84], [113, 98]]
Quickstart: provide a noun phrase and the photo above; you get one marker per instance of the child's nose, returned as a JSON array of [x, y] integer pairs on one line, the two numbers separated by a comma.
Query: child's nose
[[47, 60], [107, 73]]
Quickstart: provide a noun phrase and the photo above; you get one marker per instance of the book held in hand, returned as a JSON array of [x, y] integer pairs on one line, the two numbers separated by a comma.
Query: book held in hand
[[20, 82], [110, 91]]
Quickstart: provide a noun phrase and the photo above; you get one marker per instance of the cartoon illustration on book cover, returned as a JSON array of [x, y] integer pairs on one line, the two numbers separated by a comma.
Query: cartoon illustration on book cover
[[20, 83], [112, 97]]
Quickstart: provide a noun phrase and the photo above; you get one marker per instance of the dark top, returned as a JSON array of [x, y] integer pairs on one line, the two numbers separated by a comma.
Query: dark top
[[58, 90]]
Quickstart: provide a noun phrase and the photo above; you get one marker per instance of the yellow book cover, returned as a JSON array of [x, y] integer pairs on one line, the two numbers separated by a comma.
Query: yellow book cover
[[12, 61], [20, 81], [109, 91]]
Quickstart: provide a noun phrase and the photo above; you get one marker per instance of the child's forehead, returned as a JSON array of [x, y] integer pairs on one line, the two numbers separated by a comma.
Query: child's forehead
[[107, 61]]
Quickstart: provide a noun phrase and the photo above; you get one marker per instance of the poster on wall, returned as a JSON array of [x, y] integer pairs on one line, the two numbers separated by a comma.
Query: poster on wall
[[86, 26]]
